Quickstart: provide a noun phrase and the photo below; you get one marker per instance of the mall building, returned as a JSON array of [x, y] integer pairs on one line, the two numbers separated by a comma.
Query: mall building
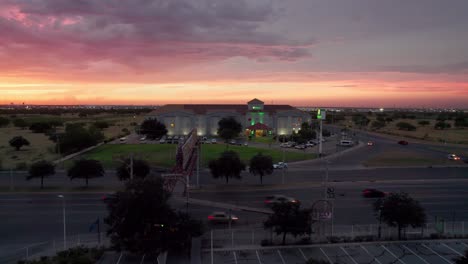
[[256, 118]]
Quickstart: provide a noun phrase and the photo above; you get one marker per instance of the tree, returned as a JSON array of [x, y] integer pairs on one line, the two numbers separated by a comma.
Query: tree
[[405, 126], [101, 124], [20, 123], [462, 259], [442, 125], [19, 141], [289, 218], [41, 169], [261, 165], [4, 121], [141, 169], [228, 165], [424, 122], [400, 210], [76, 138], [378, 124], [40, 127], [141, 220], [228, 128], [361, 120], [152, 128], [306, 133], [86, 169]]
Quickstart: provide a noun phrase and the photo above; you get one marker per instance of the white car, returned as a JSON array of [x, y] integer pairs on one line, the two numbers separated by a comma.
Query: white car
[[213, 141], [280, 165], [275, 199], [221, 217], [162, 141], [122, 139], [143, 138], [453, 157]]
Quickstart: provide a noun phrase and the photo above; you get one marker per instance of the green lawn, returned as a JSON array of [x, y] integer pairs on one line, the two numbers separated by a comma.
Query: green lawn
[[163, 155]]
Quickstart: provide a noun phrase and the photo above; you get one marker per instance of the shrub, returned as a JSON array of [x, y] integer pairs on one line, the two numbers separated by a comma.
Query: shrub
[[405, 126]]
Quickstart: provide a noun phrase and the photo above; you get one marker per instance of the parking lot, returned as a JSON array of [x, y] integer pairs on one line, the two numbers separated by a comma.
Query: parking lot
[[420, 252]]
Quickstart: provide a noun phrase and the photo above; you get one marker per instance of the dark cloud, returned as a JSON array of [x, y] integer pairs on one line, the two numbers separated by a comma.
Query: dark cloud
[[460, 67]]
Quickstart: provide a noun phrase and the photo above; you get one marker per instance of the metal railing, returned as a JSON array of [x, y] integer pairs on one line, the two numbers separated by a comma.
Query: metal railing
[[226, 238], [50, 248]]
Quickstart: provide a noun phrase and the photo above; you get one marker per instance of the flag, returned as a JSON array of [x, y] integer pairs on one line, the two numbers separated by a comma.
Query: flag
[[94, 225]]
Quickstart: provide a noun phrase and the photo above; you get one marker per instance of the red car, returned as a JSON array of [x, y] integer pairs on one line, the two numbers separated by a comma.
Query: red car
[[402, 142], [373, 193]]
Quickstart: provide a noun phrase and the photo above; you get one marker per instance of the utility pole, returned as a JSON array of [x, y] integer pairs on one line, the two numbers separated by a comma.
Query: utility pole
[[131, 166], [320, 139], [198, 163], [282, 169]]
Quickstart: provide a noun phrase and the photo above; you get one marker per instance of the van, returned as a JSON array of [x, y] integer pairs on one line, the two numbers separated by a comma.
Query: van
[[346, 143]]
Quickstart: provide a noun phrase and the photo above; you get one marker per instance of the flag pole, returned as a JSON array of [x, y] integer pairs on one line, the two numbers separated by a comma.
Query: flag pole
[[98, 231]]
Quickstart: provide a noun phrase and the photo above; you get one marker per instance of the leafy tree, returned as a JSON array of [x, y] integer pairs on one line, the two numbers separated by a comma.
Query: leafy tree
[[378, 124], [442, 125], [261, 165], [141, 220], [101, 124], [405, 126], [306, 133], [400, 210], [228, 128], [41, 169], [18, 141], [4, 121], [228, 165], [461, 121], [361, 120], [86, 169], [40, 127], [141, 169], [462, 259], [289, 218], [76, 138], [20, 123], [424, 122], [388, 119], [152, 128]]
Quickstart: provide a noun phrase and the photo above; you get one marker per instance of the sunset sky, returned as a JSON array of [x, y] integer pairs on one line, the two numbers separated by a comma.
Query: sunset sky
[[404, 53]]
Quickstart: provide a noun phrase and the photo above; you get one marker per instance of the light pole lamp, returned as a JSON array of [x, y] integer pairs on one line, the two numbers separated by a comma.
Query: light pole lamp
[[64, 222]]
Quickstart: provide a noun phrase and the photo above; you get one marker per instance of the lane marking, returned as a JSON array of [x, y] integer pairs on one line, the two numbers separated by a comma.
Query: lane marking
[[448, 261], [258, 257], [281, 256], [118, 261], [393, 254], [329, 260], [142, 259], [458, 253], [464, 244], [346, 252], [235, 257], [302, 253], [373, 257], [414, 253]]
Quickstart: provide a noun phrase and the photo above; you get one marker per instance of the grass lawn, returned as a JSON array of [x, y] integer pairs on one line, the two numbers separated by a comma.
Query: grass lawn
[[396, 158], [40, 148], [163, 155]]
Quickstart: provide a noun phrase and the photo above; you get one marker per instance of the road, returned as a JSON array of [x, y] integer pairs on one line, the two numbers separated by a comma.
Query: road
[[34, 217]]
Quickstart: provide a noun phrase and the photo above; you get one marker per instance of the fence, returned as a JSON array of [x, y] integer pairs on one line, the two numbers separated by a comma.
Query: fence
[[225, 238], [50, 248]]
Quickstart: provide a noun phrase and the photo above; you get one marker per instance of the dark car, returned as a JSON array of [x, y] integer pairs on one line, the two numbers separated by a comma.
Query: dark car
[[222, 217], [373, 193], [402, 142]]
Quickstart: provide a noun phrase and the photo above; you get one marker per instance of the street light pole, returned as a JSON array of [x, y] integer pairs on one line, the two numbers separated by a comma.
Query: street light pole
[[282, 169], [64, 222]]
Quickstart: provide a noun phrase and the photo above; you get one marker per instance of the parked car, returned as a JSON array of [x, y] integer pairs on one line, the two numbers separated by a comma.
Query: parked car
[[213, 141], [221, 217], [373, 193], [301, 146], [162, 141], [403, 142], [275, 199], [453, 157], [122, 139], [280, 165], [143, 138]]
